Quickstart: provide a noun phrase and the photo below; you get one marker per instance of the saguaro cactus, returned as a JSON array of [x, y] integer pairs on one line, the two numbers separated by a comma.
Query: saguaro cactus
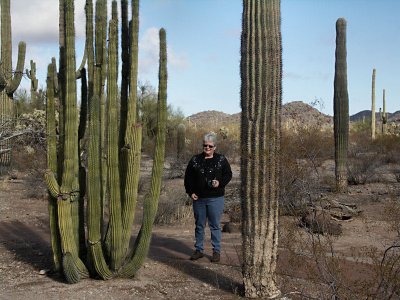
[[341, 107], [384, 114], [261, 101], [181, 136], [31, 74], [373, 116], [107, 252], [9, 79]]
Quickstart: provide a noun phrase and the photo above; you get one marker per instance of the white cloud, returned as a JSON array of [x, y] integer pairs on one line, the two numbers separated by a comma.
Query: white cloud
[[36, 21], [149, 53]]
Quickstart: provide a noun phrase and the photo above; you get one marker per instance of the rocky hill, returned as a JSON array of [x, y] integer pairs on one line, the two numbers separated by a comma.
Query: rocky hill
[[294, 114]]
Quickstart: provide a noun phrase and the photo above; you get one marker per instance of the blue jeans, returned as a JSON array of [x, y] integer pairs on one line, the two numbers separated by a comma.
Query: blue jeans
[[210, 209]]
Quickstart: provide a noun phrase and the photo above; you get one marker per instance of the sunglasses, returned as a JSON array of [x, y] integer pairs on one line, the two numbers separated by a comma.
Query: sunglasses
[[208, 146]]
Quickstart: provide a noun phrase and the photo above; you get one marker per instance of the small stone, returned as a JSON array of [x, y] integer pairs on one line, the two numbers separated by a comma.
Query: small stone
[[43, 272]]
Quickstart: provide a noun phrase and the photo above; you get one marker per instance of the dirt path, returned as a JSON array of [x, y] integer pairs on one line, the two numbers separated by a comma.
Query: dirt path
[[167, 273]]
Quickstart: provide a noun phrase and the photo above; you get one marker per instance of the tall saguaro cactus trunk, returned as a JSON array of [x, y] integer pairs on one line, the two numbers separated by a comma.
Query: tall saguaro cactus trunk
[[105, 248], [9, 80], [261, 101], [341, 107], [384, 114], [373, 116]]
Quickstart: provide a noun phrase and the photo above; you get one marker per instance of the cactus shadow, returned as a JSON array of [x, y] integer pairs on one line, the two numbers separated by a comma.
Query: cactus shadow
[[28, 244], [175, 253]]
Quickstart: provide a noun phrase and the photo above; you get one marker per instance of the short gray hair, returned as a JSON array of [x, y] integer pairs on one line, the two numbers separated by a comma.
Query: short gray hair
[[211, 136]]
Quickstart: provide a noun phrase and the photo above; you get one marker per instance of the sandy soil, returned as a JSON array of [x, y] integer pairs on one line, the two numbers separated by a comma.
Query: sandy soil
[[25, 254]]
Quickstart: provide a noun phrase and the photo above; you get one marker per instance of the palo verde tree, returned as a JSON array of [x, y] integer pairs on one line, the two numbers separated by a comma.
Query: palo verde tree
[[341, 107], [100, 247], [261, 101], [9, 79]]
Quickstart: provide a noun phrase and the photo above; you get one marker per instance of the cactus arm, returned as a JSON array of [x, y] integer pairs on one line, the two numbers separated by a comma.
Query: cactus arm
[[19, 71], [142, 243], [94, 206], [125, 68], [51, 181], [115, 224], [131, 151], [134, 36]]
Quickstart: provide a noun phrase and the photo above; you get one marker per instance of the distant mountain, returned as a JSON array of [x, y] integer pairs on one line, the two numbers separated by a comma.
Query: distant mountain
[[366, 114], [294, 114]]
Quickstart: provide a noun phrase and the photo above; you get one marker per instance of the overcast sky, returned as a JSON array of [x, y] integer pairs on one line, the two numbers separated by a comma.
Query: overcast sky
[[203, 39]]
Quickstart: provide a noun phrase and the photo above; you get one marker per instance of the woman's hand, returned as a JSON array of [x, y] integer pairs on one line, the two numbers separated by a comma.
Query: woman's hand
[[215, 183], [194, 197]]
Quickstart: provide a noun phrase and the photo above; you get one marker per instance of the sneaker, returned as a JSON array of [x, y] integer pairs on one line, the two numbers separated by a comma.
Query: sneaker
[[196, 255], [216, 257]]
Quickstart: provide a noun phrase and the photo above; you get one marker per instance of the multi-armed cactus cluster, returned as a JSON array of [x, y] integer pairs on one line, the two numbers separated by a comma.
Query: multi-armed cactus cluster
[[261, 101], [9, 78], [109, 179], [341, 107]]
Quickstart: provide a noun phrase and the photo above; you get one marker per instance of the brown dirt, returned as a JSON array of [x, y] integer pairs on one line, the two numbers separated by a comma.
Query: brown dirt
[[167, 273]]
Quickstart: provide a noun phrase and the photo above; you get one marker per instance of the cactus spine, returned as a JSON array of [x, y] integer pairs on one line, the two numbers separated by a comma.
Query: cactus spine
[[373, 116], [341, 107], [107, 252], [261, 100], [9, 79], [181, 136]]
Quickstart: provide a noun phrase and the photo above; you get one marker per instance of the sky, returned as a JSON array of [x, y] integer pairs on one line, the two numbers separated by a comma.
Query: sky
[[203, 38]]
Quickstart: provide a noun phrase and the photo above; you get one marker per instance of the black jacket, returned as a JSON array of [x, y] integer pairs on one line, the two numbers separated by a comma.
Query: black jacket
[[200, 171]]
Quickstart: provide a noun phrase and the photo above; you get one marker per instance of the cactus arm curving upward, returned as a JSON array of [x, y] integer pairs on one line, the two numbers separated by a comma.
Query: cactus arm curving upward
[[16, 79], [142, 242]]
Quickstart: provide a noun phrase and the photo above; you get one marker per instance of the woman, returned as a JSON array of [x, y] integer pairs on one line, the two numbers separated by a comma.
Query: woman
[[206, 176]]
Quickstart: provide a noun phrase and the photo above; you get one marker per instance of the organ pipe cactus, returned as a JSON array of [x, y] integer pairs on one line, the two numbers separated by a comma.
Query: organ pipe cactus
[[341, 107], [261, 101], [107, 248], [373, 116], [9, 78]]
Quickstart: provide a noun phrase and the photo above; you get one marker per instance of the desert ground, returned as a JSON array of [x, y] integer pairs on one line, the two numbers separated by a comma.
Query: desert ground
[[310, 265]]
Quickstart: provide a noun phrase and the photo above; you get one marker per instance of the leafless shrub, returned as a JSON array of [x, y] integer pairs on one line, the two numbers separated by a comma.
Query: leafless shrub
[[174, 208]]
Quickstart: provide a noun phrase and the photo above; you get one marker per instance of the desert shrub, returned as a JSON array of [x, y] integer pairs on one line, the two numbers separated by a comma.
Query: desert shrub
[[174, 208], [389, 147], [309, 143], [361, 167], [301, 155]]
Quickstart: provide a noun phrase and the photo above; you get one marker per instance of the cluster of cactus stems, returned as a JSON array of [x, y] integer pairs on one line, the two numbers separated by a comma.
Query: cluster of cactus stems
[[9, 78], [181, 146], [341, 107], [110, 177], [261, 101], [373, 117]]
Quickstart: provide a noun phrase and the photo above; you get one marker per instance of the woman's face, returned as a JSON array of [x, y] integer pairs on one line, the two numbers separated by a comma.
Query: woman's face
[[208, 148]]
